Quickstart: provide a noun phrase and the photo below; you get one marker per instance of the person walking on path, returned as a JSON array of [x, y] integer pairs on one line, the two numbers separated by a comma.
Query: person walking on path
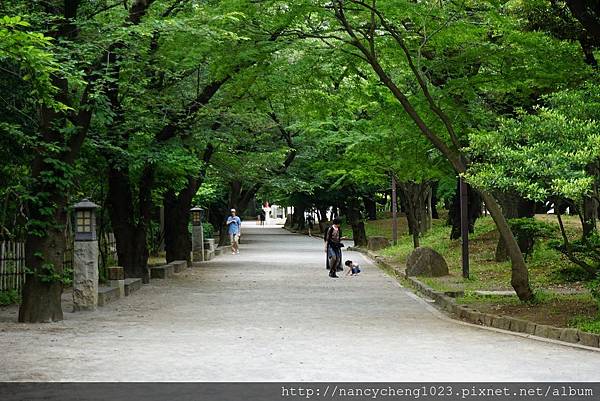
[[234, 229], [333, 248]]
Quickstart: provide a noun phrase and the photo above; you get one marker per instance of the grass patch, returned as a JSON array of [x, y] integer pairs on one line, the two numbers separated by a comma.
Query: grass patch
[[548, 268], [591, 325], [560, 310], [562, 299]]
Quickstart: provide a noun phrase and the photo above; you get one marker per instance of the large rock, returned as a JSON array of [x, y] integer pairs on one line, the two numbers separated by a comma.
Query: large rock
[[377, 243], [426, 262]]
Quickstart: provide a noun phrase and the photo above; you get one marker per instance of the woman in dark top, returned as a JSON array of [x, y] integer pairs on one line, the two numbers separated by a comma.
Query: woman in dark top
[[333, 248]]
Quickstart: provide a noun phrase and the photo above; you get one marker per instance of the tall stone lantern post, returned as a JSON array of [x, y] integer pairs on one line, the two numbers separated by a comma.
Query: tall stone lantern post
[[197, 213], [85, 261]]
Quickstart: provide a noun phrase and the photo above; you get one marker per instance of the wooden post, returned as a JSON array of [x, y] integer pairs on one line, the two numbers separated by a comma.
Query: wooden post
[[394, 212], [464, 227]]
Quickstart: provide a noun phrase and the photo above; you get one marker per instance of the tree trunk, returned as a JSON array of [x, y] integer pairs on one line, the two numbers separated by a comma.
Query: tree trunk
[[474, 210], [370, 207], [132, 251], [130, 227], [178, 241], [590, 216], [434, 200], [415, 197], [322, 215], [41, 299], [358, 227], [513, 206], [298, 219], [590, 202], [519, 273]]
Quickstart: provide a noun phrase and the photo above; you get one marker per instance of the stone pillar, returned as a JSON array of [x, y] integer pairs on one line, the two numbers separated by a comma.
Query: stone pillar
[[116, 278], [85, 275], [197, 243]]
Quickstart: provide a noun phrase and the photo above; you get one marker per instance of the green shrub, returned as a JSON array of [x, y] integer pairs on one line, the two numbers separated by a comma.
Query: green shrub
[[582, 251], [527, 230], [209, 230], [9, 297]]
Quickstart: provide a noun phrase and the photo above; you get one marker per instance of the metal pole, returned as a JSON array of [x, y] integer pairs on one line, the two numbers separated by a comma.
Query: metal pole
[[394, 212], [464, 227]]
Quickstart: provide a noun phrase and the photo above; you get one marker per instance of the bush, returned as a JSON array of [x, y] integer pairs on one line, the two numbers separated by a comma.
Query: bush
[[9, 297], [209, 230], [527, 230], [584, 252]]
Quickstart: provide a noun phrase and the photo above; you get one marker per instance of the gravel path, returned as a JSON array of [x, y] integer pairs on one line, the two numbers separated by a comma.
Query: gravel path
[[272, 314]]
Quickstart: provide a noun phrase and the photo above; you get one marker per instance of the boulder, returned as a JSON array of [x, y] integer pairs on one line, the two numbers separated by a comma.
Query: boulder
[[377, 243], [426, 262]]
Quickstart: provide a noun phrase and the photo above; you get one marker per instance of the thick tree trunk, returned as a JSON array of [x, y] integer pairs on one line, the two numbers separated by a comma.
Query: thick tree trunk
[[178, 241], [370, 207], [474, 210], [132, 251], [513, 206], [415, 197], [519, 273], [358, 227], [130, 227], [41, 299], [298, 220]]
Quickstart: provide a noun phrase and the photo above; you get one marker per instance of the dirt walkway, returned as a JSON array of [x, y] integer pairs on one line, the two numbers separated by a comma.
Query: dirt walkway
[[272, 314]]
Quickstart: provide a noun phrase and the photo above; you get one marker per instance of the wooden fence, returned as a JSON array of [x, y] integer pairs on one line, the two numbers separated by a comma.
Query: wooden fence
[[12, 265], [12, 260]]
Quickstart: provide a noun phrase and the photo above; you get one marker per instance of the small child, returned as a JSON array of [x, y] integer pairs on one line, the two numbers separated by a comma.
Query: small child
[[352, 268]]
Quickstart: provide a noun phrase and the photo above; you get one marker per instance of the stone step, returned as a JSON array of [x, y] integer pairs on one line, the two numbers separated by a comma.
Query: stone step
[[107, 295], [209, 244], [179, 265], [162, 272], [495, 293], [132, 285]]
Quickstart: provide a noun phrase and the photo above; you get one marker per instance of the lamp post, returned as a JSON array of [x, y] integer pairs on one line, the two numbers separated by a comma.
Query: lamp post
[[85, 260], [197, 213], [464, 226], [394, 211]]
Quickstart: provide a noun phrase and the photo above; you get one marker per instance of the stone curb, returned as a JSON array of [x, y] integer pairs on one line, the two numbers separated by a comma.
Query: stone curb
[[465, 313]]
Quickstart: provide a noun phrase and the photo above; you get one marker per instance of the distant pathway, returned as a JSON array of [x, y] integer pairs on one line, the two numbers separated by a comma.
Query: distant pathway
[[272, 314]]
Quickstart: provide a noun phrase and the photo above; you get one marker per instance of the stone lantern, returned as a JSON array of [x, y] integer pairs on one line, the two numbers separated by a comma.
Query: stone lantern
[[197, 214], [85, 220], [85, 260]]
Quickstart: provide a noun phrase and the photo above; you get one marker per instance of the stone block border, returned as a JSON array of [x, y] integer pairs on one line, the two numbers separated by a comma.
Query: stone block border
[[465, 313], [161, 272]]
